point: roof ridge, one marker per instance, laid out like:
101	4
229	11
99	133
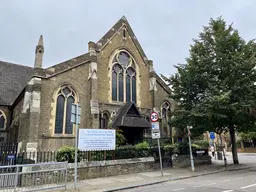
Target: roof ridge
67	60
16	64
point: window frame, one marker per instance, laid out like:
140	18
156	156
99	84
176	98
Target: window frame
58	93
132	65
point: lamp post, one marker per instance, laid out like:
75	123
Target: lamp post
190	148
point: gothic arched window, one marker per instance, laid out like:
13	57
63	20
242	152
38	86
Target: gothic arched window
123	73
165	115
2	120
65	97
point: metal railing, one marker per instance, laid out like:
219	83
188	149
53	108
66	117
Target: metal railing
33	177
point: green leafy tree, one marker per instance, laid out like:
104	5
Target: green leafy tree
216	86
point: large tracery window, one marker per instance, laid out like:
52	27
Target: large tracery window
2	120
65	97
123	78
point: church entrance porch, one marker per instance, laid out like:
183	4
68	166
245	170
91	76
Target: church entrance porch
131	122
133	135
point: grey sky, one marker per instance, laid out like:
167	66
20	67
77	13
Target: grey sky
164	28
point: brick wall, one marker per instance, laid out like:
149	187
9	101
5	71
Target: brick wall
77	78
88	170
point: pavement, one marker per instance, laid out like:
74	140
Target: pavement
132	182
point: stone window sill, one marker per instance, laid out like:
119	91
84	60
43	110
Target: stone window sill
59	136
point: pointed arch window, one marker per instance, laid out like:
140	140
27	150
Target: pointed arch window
65	97
165	114
124	87
2	120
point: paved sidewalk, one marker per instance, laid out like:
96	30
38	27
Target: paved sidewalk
116	183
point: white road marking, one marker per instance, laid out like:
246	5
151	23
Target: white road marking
210	184
224	181
178	189
248	186
197	186
228	191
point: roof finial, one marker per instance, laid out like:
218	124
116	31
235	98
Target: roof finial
124	18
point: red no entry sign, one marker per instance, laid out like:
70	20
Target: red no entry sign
154	117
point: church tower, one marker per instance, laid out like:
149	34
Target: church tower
39	53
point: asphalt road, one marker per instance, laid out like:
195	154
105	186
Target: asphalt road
232	181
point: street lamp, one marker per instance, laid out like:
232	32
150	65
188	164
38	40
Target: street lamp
190	148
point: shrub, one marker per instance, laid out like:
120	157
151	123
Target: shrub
125	152
120	139
67	153
143	145
142	149
201	143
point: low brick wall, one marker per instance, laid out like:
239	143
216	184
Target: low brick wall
94	169
87	170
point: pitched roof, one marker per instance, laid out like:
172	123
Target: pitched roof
129	116
13	79
110	34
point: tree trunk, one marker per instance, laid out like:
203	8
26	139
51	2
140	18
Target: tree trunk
233	142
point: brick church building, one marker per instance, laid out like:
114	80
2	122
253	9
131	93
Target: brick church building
115	84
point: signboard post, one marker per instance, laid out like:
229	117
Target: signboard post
155	132
212	137
75	118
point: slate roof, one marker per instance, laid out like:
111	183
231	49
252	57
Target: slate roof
13	79
129	116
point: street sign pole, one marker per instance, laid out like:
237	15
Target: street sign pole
190	149
75	118
156	135
76	147
160	157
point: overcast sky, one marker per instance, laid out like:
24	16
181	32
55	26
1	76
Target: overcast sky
164	28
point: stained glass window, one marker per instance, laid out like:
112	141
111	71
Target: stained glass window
114	86
128	88
59	114
123	74
2	120
121	87
69	125
64	102
134	89
124	59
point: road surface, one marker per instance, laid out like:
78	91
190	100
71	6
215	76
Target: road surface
232	181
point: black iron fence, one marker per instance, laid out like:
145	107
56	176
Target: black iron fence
11	157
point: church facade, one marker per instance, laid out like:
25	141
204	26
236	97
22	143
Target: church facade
114	83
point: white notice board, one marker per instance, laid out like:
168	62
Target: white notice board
97	139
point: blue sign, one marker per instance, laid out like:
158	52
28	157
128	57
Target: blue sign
212	135
10	157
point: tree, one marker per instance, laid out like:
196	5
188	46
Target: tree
215	88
